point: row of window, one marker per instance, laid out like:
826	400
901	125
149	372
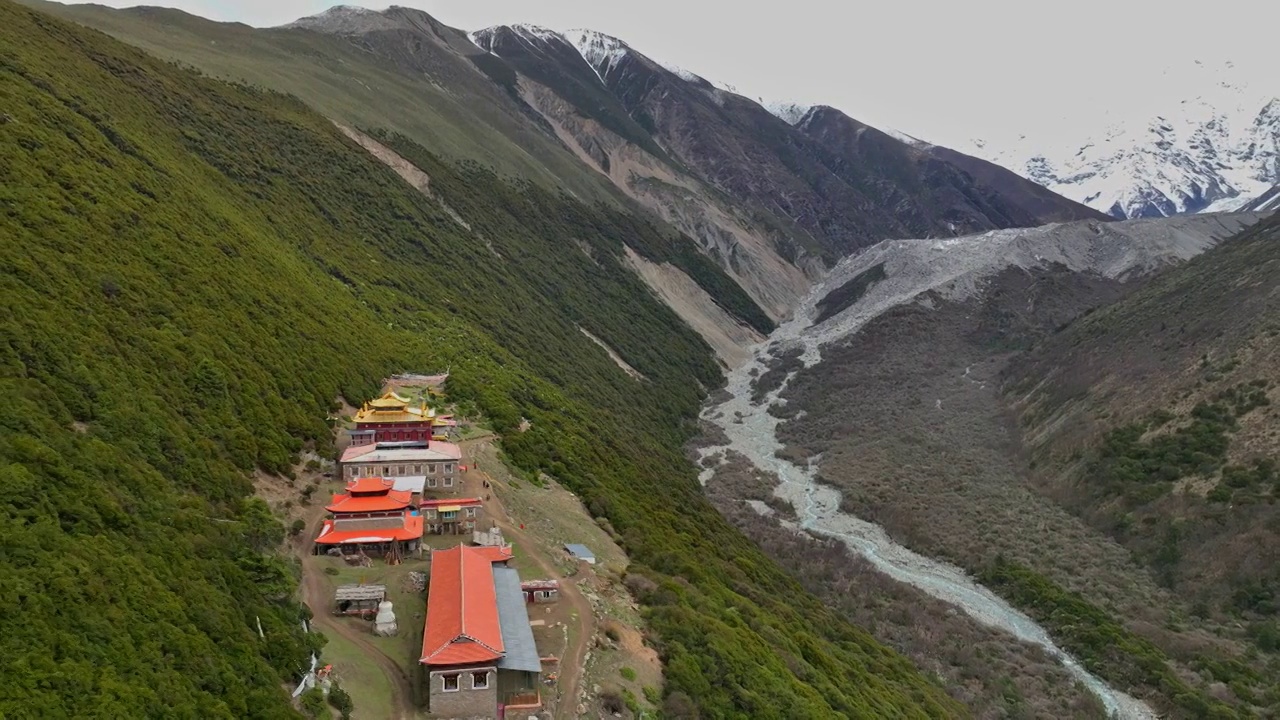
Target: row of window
453	681
439	527
450	514
398	470
398	435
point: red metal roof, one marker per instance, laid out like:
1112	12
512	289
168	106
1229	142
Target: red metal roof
354	451
394	500
495	553
462	610
437	502
370	484
412	530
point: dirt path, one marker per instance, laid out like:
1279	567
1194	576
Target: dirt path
316	594
572	665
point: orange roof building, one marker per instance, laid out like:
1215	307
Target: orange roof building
477	647
462	610
370	495
372	517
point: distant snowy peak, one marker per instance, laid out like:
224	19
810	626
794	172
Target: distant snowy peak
602	52
789	112
1210	153
535	35
536	32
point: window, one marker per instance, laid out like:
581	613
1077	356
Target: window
450	682
431	482
448	482
449	515
351	471
448	468
471	512
386	471
430	514
479	680
417	469
431	469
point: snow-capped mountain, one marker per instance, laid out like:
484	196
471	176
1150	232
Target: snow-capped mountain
789	112
1213	152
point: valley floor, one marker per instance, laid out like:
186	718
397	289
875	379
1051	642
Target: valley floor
877	455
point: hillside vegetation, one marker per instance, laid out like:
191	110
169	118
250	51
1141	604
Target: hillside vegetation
1049	437
770	202
1154	420
197	273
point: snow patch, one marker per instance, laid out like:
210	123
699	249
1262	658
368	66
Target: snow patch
789	112
683	74
602	52
534	35
1194	152
536	32
901	137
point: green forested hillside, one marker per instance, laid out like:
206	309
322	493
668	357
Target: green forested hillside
196	273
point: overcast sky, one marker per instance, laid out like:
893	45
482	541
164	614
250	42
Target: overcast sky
943	70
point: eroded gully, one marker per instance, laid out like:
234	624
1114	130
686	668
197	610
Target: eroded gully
752	432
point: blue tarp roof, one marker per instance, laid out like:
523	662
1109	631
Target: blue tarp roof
513	617
579	551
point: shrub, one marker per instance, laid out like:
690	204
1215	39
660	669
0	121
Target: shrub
341	701
313	704
627	674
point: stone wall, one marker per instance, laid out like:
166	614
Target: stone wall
466	703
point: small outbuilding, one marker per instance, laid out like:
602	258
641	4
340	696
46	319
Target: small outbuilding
540	591
358	599
580	552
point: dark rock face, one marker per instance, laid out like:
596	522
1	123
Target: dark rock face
843	183
934	190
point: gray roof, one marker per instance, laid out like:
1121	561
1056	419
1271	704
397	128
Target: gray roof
360	592
579	551
517	636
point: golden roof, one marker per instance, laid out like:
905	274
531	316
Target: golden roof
389	401
393	408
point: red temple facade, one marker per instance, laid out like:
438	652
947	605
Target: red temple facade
390	419
373	518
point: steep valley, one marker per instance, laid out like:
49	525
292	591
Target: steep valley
896	408
867	427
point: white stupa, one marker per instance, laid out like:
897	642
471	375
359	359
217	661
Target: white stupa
385	623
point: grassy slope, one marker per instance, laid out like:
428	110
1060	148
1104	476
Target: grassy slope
468	119
196	271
